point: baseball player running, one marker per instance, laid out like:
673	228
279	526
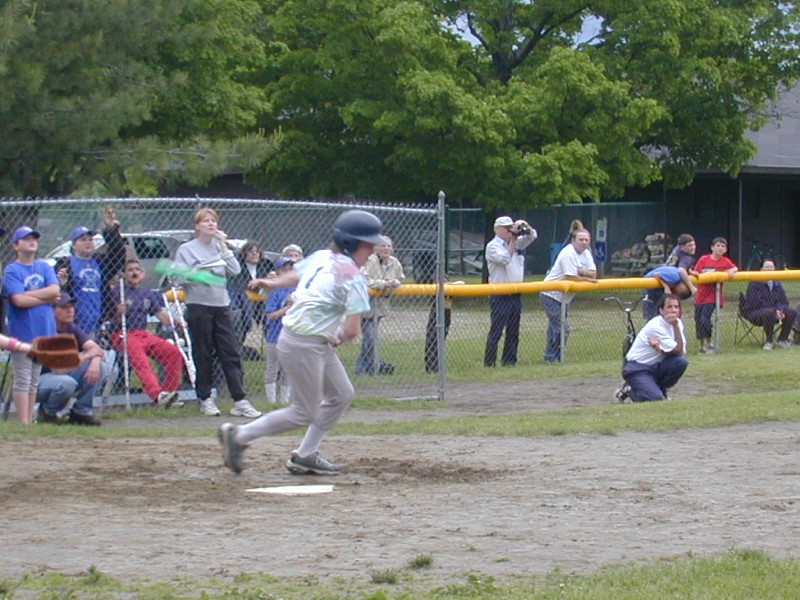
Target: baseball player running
330	297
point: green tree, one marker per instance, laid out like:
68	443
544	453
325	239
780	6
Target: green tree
513	102
120	97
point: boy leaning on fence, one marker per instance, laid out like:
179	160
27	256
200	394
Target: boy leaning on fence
706	297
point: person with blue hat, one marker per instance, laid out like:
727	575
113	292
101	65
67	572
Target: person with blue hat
275	307
31	287
87	272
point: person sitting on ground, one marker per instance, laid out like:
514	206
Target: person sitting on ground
765	304
141	302
657	358
57	389
672	282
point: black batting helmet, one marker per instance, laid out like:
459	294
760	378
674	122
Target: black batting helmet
356	226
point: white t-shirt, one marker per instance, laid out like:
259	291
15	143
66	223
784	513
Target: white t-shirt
567	263
642	352
503	267
331	287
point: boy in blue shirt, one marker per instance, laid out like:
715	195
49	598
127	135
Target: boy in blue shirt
275	307
32	288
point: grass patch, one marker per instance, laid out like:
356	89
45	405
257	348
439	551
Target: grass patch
734	574
608	419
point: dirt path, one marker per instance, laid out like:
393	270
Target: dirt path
498	506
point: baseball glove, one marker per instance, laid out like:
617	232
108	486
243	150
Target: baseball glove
58	351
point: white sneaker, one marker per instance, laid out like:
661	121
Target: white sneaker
767	346
209	408
243	408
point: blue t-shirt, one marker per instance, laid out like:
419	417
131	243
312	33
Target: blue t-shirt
28	323
87	288
80	337
142	302
668	275
277	299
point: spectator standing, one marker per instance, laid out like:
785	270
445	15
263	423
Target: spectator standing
276	305
705	300
505	260
31	287
384	274
657	357
765	304
573	263
140	303
209	318
87	273
330	298
293	252
253	266
57	389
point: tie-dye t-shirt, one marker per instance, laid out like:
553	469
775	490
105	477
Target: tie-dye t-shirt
331	287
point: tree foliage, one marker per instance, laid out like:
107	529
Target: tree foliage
507	103
121	96
517	102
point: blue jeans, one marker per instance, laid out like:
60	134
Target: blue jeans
651	382
56	389
367	361
552	352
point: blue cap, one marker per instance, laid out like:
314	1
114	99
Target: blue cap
80	232
24	231
282	262
65	299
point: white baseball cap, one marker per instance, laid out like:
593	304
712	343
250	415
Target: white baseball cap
503	222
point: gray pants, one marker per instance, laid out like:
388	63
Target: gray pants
321	389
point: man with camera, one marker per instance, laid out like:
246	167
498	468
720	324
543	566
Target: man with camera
506	262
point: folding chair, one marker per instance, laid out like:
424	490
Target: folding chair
745	330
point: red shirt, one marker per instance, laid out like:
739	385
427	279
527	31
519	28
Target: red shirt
706	292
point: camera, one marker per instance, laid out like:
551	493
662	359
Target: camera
522	229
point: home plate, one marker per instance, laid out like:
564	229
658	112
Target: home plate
294	490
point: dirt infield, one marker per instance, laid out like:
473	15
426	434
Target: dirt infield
164	508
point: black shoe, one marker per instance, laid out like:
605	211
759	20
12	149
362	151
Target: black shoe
48	418
76	419
386	369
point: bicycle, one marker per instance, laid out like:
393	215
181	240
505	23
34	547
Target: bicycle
627	307
759	252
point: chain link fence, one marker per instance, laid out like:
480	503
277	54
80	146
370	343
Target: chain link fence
409	336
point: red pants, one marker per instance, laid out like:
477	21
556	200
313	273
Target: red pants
142	346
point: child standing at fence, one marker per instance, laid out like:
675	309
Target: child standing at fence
706	297
31	287
330	298
275	307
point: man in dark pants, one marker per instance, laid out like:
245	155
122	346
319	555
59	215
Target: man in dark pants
506	263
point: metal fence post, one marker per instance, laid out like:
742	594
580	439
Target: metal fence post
441	271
